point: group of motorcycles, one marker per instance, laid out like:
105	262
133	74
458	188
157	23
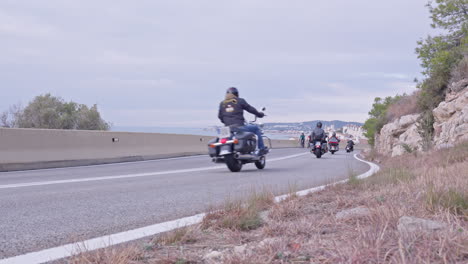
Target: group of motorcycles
236	148
320	147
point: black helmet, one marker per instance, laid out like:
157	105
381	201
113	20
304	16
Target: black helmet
319	124
233	90
334	134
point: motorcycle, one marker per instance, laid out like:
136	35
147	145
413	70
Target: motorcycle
236	148
333	147
349	148
318	149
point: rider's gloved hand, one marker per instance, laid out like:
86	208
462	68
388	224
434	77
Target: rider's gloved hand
260	115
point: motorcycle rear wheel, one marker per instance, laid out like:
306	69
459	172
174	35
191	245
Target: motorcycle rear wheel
232	163
318	153
261	163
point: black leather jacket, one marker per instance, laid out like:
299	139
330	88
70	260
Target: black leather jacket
231	111
318	134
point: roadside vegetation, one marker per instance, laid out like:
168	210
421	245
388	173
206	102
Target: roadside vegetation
50	112
415	210
444	60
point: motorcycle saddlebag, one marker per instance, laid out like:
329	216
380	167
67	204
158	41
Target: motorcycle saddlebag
247	142
213	152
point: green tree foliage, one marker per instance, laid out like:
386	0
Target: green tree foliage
50	112
378	117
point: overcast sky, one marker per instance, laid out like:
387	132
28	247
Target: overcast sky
168	63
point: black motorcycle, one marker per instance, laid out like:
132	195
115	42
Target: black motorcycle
349	147
235	148
319	148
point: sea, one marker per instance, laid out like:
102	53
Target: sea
200	131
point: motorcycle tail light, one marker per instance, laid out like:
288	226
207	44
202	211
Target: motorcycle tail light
223	140
236	141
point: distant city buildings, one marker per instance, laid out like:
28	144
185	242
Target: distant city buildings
356	132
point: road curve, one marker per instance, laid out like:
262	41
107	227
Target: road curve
46	208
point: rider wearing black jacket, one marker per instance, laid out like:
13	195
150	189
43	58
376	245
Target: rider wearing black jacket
231	110
318	133
351	144
231	113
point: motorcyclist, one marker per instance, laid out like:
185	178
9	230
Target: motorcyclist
302	139
231	113
334	139
319	134
351	144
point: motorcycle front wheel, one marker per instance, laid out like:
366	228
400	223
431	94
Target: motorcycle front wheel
232	163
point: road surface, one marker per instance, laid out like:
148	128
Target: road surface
47	208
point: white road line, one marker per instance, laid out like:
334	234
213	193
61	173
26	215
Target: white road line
136	175
107	164
68	250
373	169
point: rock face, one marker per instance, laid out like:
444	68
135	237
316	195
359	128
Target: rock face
397	133
451	119
407	224
450	126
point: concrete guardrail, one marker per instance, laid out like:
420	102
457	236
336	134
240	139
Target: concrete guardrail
23	149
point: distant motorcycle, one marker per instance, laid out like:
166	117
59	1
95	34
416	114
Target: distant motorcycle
235	148
349	147
333	147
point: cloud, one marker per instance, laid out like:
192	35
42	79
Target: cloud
24	26
169	62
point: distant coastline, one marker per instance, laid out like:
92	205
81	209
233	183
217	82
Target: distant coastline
208	131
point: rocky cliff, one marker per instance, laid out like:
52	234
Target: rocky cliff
395	135
451	119
451	125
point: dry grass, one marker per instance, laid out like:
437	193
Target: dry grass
239	215
183	235
407	105
113	255
305	230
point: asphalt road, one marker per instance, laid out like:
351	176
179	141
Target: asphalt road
46	208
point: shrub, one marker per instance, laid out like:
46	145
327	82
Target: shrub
50	112
405	105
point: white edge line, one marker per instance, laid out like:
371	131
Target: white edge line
68	250
124	176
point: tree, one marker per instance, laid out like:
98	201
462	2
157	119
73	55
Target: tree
10	117
378	117
50	112
450	15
